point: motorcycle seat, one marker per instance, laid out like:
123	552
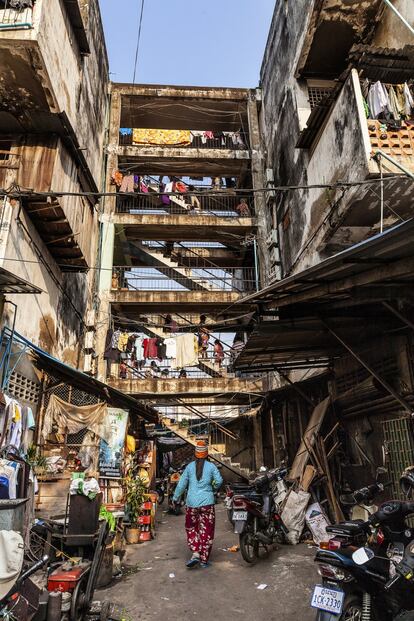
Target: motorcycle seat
347	529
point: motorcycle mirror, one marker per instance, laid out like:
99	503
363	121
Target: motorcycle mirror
362	556
381	470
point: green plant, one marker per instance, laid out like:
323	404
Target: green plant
36	460
135	490
106	515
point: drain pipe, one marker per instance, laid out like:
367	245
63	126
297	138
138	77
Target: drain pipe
398	14
379	154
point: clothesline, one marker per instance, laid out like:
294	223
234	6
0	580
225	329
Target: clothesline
388	102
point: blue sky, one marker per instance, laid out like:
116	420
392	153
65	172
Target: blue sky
215	43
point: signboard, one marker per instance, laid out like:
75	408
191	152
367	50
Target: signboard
111	453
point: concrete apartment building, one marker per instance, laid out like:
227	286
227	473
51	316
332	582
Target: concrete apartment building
53	109
315	325
172	253
334	315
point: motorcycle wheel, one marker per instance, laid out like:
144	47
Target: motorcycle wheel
352	609
230	515
161	496
249	548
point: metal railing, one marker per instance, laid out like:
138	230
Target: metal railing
221	140
218	203
14	18
183	279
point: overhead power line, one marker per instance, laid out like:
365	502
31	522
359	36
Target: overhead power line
138	40
25	193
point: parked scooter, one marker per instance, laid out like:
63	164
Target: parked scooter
256	516
174	476
356	591
14	603
161	488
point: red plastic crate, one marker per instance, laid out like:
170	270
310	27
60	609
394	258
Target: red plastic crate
147	506
144	519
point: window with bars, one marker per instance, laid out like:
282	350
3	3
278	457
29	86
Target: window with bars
317	93
23	389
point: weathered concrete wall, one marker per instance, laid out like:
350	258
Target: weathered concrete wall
44	72
46	165
341	150
48	319
391	31
340	154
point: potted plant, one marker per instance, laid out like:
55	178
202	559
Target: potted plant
135	490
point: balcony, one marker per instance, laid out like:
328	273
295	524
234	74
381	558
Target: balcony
63	222
44	77
342	145
155	216
182	279
195	390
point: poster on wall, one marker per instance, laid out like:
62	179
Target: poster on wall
111	452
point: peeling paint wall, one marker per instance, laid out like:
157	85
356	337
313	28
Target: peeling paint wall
47	319
341	151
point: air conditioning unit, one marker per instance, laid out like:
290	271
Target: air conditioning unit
89	338
87	363
272	238
91	318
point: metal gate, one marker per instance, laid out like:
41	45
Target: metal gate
399	446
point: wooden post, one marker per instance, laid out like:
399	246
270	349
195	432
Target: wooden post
272	431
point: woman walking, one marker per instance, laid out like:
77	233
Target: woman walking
201	479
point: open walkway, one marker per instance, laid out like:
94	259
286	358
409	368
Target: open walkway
227	590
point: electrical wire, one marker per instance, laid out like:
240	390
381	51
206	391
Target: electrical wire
282	188
138	40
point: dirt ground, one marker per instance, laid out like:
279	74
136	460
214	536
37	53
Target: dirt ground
157	585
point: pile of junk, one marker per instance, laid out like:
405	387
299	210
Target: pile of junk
49	569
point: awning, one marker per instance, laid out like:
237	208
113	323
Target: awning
384	64
304	343
10	283
59	370
381	265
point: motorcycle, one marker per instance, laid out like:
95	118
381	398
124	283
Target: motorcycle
256	516
356	591
17	604
161	488
174	476
246	489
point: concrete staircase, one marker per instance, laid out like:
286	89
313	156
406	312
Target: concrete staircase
216	451
184	276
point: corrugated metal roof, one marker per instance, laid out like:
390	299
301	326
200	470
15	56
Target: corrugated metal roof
74	377
10	283
392	251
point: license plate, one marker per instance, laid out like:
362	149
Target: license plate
330	600
239	516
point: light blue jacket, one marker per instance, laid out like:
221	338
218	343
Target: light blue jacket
199	493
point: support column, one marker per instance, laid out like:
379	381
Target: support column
258	440
107	237
258	182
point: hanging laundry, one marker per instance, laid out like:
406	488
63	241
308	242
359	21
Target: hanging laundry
122	341
161	349
409	101
9	471
209	135
139	349
150	348
180	187
127	184
378	101
116	178
186	350
171	137
170	348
